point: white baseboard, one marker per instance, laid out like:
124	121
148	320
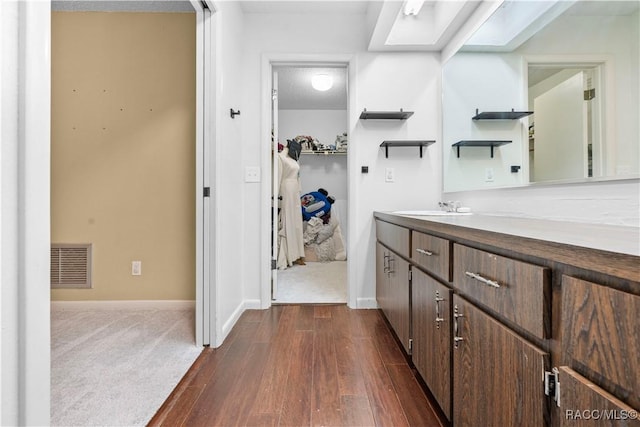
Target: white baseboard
251	304
123	305
367	303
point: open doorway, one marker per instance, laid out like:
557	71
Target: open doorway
310	121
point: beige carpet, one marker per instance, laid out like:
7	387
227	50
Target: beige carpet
315	282
117	367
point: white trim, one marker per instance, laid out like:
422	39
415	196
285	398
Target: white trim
367	303
606	66
268	59
230	323
114	305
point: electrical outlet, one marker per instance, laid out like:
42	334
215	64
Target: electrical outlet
488	175
136	268
252	174
389	175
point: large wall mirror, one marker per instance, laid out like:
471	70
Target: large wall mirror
544	92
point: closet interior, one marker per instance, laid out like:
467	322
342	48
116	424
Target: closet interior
313	149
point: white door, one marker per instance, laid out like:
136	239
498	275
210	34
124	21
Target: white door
560	144
275	182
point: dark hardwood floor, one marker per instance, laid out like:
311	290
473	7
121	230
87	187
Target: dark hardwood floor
301	365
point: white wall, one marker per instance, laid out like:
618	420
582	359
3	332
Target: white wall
323	125
328	172
486	82
377	83
25	65
609	202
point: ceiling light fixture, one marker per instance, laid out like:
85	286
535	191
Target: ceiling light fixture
322	82
412	7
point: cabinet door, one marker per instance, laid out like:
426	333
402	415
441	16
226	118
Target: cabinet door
382	278
431	321
399	315
601	332
497	374
585	404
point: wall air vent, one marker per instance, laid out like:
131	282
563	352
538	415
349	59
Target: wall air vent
70	265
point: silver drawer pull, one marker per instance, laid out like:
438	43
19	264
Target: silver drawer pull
456	328
479	278
424	252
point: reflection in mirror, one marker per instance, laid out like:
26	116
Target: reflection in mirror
575	66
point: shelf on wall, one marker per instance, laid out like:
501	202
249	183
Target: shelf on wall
479	143
325	153
501	115
385	115
405	143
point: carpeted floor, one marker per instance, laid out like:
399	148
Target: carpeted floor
315	282
116	367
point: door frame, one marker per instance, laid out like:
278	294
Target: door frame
269	60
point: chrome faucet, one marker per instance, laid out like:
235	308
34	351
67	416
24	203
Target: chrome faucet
450	206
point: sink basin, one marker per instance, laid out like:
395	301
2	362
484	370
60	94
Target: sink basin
431	213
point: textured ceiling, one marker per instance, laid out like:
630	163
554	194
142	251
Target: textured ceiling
295	91
306	6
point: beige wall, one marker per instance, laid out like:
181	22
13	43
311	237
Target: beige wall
123	150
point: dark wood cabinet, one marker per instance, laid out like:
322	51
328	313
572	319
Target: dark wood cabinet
584	404
431	321
392	292
529	332
497	374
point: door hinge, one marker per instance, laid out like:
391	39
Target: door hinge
273	264
552	385
207	191
410	345
410	275
589	94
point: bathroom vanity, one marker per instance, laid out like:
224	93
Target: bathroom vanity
515	321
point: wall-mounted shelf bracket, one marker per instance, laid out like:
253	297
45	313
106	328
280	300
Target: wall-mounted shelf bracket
405	143
501	115
479	143
385	115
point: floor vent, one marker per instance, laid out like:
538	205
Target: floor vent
70	265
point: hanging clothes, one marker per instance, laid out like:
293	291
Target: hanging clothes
290	233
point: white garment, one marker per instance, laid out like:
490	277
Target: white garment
290	241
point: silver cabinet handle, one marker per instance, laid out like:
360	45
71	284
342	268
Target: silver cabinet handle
481	279
389	269
456	338
424	252
385	263
438	318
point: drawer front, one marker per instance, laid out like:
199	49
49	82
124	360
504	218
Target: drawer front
586	404
431	253
515	290
601	330
394	237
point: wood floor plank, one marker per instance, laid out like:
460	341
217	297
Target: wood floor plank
350	377
298	366
274	378
305	318
386	408
415	404
356	411
229	368
326	406
296	407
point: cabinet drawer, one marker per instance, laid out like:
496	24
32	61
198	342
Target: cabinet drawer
586	404
601	331
431	253
394	237
515	290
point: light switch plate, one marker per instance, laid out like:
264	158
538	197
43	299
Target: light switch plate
252	174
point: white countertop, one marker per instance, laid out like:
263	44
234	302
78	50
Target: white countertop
611	238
